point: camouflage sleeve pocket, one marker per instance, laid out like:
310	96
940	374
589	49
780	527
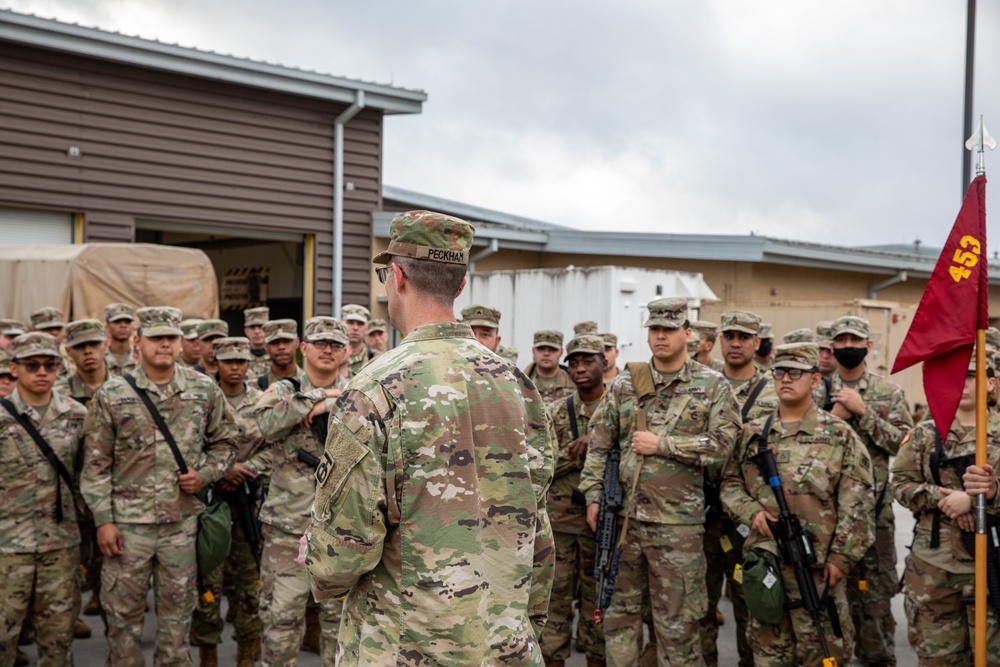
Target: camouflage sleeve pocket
344	450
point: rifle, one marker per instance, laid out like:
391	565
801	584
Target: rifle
796	551
608	534
245	498
308	459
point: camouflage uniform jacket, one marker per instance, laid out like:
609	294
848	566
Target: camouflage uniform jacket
766	401
28	481
827	477
281	413
882	428
555	388
272	378
129	472
430	511
116	366
567	516
913	486
356	362
697	422
251	442
74	387
260	364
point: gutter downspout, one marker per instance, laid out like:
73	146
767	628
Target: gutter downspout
338	199
895	280
483	254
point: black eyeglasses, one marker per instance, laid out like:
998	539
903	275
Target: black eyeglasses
324	344
33	366
383	273
794	373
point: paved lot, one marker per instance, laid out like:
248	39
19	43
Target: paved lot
88	652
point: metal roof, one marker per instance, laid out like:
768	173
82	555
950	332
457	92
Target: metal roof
713	247
419	200
94	43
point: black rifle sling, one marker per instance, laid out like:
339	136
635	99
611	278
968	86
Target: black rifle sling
571	410
263	382
762	442
752	398
50	455
160	424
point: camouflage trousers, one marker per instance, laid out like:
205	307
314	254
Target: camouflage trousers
574	580
795	641
667	562
942	629
720	563
871	611
91	557
241	568
165	552
283	596
54	607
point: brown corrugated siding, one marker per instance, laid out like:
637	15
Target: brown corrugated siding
169	148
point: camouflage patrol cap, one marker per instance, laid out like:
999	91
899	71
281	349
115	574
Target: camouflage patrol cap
705	328
991	362
585	344
280	329
481	316
190	329
118	311
84	331
610	339
849	324
326	328
548	338
352	312
48	317
233	348
508	353
376	325
765	330
800	336
159	321
671	313
12	327
824	333
6	356
256	317
35	344
804	356
427	235
586	327
992	339
741	320
208	328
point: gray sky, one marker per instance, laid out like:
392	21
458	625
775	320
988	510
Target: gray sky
837	122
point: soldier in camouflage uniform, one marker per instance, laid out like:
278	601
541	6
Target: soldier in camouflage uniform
254	320
39	538
451	562
377	337
9	330
234	357
940	571
703	337
551	380
118	318
146	511
823	396
208	331
877	410
85	345
7	379
575	545
52	321
190	350
755	397
762	360
508	353
691	422
485	323
827	476
356	318
282	340
611	370
585	327
291	419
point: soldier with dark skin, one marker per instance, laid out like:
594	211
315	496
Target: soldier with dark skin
118	318
254	320
282	341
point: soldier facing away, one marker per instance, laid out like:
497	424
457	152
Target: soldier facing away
145	509
430	509
684	423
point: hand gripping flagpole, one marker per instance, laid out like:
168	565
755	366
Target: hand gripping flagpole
982	139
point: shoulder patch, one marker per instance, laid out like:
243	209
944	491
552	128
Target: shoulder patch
343	452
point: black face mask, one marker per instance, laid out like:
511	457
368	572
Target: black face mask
765	347
850	357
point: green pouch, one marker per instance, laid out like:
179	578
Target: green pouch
215	536
763	587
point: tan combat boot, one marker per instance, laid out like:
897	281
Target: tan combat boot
208	656
246	653
93	606
81	630
310	641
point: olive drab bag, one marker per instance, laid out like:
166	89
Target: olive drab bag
215	523
762	586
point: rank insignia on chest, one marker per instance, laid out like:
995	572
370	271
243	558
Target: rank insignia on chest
783	456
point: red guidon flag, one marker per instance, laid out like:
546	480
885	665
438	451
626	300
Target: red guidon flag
954	305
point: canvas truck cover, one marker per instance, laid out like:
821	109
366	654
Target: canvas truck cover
82	279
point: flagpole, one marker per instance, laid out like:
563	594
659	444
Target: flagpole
980	638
